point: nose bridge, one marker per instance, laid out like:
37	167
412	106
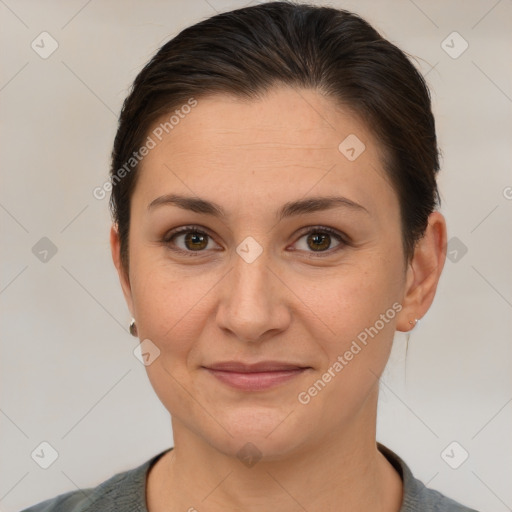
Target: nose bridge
250	280
250	305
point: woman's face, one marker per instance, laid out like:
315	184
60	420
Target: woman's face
263	281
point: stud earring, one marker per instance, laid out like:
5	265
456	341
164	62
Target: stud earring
413	323
133	328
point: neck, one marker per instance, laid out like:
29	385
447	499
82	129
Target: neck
341	473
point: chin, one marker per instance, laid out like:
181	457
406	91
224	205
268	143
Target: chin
262	433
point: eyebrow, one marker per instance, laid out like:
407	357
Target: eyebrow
290	209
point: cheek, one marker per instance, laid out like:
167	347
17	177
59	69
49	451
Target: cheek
169	313
359	304
352	297
164	304
358	308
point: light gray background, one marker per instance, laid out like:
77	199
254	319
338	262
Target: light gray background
68	373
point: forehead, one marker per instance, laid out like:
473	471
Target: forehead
289	140
283	119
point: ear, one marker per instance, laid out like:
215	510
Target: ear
115	246
423	273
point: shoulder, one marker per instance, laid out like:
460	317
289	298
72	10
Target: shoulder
416	495
73	501
123	492
433	501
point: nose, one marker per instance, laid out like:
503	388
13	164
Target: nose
253	306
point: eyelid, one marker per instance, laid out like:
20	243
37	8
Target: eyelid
325	229
185	229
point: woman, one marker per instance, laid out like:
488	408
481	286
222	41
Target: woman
274	202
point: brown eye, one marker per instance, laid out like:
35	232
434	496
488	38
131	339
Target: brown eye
195	241
187	240
192	241
319	240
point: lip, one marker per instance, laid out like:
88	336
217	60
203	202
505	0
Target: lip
256	376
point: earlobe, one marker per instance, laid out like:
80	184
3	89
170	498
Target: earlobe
423	273
115	247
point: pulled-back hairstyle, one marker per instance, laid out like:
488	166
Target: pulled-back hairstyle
247	51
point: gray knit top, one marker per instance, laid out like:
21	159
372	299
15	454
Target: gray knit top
126	492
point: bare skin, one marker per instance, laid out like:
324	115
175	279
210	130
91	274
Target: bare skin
302	300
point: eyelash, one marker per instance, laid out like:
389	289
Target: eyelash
314	229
